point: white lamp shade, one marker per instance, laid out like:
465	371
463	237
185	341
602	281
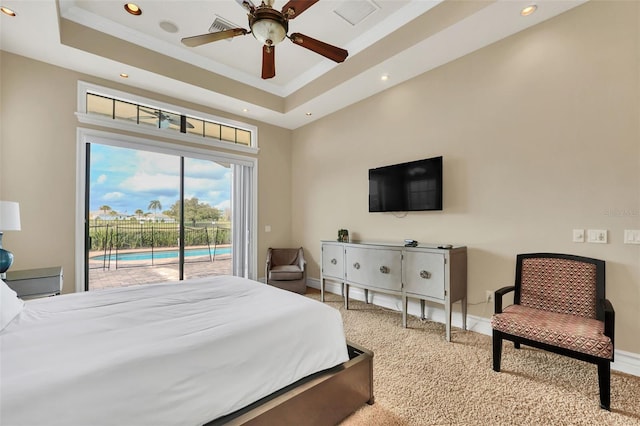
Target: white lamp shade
9	216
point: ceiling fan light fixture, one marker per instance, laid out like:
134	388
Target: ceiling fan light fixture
268	31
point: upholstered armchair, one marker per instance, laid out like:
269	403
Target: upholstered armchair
559	305
286	269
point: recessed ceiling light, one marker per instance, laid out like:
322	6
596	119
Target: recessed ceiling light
309	114
133	9
528	10
124	75
7	11
384	77
245	109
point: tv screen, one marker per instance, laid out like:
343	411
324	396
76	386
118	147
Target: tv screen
412	186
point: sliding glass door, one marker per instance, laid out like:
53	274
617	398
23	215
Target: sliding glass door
162	215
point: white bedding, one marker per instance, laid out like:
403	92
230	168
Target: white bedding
177	353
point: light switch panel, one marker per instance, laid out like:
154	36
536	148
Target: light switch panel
632	236
578	235
597	236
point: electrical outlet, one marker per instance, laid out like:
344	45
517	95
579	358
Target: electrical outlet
488	297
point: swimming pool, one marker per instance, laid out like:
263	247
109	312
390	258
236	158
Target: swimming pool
164	254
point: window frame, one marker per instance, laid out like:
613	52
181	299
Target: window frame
149	139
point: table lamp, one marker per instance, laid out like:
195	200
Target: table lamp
9	221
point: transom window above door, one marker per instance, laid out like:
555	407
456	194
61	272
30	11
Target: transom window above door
111	108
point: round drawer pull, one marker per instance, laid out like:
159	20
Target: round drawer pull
356	265
425	274
384	269
334	261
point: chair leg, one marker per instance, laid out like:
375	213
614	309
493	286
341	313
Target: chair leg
497	350
516	345
604	382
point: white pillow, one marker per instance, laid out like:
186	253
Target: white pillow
10	304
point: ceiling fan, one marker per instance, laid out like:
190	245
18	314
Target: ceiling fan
165	120
270	26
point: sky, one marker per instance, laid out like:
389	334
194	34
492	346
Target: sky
127	180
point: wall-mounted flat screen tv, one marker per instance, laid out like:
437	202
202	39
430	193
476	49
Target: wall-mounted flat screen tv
412	186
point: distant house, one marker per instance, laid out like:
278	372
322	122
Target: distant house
113	215
159	217
100	215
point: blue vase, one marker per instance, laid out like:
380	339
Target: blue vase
6	259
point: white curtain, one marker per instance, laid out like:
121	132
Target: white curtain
242	201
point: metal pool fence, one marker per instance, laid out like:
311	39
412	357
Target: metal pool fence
110	241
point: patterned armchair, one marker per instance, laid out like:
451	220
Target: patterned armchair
286	269
559	306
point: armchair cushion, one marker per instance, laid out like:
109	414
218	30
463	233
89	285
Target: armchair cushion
285	273
288	256
559	285
567	331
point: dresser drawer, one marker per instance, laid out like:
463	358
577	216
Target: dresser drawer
372	267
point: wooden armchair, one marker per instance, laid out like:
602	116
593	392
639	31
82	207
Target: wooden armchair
559	306
286	269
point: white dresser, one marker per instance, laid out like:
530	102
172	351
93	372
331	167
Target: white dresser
424	272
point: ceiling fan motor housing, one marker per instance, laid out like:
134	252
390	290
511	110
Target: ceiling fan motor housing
268	26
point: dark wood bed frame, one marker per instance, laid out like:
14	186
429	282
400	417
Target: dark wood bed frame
322	399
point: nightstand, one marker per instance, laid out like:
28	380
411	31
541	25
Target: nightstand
33	283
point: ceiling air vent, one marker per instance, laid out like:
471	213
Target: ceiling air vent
355	11
221	24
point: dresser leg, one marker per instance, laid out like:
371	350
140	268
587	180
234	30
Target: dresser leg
447	318
464	313
405	304
346	296
422	317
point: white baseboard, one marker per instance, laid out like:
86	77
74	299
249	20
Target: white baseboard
625	362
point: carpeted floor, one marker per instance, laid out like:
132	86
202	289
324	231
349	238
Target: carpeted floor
421	379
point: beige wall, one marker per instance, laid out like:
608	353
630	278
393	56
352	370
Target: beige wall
38	164
540	135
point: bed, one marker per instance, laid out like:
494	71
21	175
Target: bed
216	350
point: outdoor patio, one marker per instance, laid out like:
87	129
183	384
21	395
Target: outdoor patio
126	275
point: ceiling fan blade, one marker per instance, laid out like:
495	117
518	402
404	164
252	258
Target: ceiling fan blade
294	8
176	122
268	61
211	37
328	51
247	4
